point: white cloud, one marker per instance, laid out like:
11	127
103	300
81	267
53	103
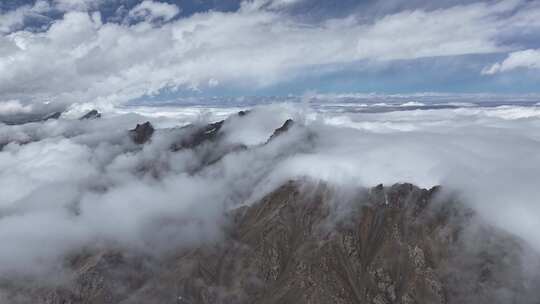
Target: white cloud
80	59
151	10
79	5
81	184
283	3
468	29
13	107
268	4
527	59
14	19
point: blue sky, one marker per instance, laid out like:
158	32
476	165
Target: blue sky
115	51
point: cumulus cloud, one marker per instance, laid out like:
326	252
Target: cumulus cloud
80	58
14	19
527	59
151	10
10	107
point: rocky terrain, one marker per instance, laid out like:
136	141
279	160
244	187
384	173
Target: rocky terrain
28	118
22	119
306	242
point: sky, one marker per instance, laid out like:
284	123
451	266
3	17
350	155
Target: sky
114	52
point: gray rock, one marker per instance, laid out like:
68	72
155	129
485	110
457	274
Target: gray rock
142	133
93	114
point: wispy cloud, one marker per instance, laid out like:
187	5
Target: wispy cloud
527	59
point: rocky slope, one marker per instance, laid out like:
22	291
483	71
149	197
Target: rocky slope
394	245
29	118
307	242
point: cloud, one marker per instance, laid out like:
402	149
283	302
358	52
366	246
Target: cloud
82	59
152	10
13	107
268	4
527	59
87	180
73	184
283	3
15	19
78	5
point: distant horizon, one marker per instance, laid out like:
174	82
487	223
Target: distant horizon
360	97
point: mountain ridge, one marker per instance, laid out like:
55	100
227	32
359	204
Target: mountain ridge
305	241
395	245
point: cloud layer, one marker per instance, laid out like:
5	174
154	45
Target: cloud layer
74	184
527	59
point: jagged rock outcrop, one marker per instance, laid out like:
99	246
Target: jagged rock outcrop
92	114
54	115
196	135
284	128
24	119
20	119
300	244
206	141
142	133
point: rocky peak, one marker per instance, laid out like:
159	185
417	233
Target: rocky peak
142	133
24	118
93	114
196	135
243	113
284	128
54	115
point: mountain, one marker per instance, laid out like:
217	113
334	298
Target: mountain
142	133
92	114
307	241
20	119
397	244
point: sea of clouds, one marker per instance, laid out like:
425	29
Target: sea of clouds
69	184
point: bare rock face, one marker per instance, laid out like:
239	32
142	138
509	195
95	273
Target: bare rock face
24	118
93	114
196	135
103	277
207	142
295	252
299	244
284	128
142	133
54	115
